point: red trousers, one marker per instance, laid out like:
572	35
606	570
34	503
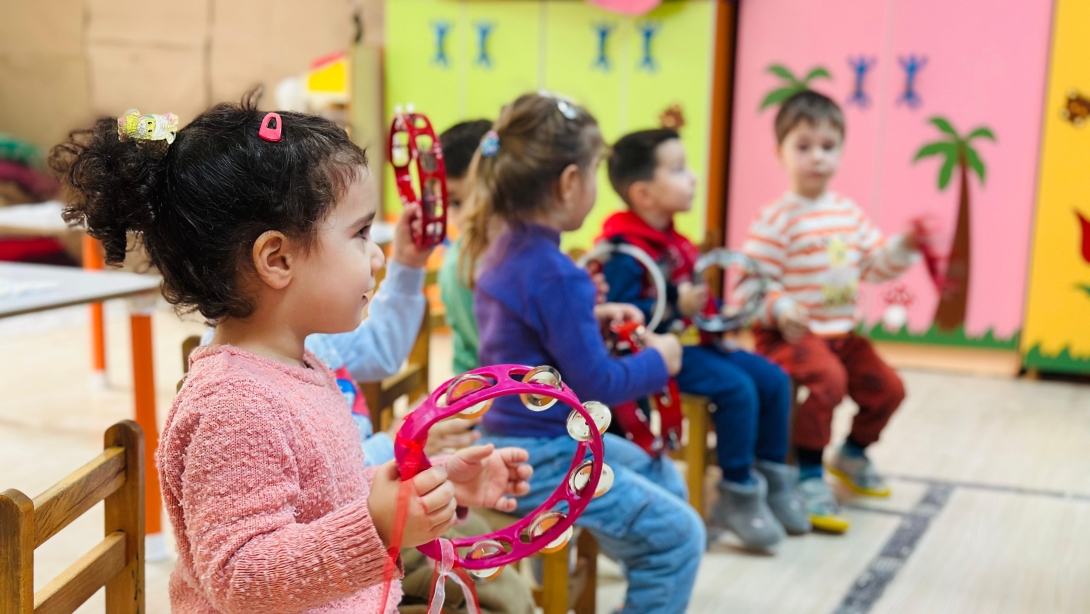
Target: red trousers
831	368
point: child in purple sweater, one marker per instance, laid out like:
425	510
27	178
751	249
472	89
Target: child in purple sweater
537	172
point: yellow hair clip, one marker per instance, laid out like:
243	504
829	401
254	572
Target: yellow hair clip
149	127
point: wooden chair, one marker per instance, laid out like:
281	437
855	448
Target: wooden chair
695	450
562	588
117	562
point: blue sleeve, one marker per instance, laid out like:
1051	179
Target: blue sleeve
626	277
574	339
378	449
381	344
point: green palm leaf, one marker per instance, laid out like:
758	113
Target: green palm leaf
945	148
815	73
981	132
945	126
782	72
973	158
778	96
946	172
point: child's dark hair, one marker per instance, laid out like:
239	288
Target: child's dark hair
459	143
633	158
807	106
539	135
199	204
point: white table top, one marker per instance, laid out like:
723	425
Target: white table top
39	219
28	288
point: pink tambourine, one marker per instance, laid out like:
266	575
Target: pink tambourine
549	527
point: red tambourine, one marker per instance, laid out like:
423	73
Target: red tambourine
625	338
928	245
414	145
549	527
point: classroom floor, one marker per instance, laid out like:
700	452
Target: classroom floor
990	511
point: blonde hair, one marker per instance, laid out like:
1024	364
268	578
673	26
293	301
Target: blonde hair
539	136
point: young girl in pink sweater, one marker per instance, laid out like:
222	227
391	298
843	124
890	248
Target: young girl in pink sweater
262	225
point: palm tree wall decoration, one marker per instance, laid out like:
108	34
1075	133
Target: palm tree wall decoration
791	84
956	152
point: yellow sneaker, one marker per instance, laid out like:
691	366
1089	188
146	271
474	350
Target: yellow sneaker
822	506
857	473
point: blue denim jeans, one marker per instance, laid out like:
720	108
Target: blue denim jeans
644	522
752	397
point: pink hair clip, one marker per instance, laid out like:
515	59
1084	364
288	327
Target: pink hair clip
270	128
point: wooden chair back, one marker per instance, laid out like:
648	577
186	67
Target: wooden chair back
117	477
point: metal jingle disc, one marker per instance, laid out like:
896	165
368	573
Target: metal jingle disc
580	477
484	549
578	428
540	375
545	521
475	411
465	385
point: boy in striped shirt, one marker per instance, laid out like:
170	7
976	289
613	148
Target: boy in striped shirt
814	248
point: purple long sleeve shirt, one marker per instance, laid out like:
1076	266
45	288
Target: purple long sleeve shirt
534	306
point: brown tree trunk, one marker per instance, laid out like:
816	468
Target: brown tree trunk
955	295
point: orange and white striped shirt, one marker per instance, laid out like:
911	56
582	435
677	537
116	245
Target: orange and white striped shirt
814	253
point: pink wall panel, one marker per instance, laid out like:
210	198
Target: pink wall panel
985	64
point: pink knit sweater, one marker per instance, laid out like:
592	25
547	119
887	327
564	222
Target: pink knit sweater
263	478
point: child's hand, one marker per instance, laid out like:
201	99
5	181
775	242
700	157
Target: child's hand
691	299
405	251
921	232
608	313
482	475
668	347
794	323
451	434
431	510
602	285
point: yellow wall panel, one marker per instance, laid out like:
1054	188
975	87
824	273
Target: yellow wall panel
1056	335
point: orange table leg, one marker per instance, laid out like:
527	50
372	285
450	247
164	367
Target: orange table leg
143	373
93	260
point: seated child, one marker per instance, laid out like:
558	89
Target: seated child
261	467
536	171
815	247
459	144
758	494
376	349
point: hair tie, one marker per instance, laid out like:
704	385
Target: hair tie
149	127
490	144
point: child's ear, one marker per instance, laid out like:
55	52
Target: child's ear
639	194
569	182
273	259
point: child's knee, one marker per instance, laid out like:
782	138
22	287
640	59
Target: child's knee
894	388
830	386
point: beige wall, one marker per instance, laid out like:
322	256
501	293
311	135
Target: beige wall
64	62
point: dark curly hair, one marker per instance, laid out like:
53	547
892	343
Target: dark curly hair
198	205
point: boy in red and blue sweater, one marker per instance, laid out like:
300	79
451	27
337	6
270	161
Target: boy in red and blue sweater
758	497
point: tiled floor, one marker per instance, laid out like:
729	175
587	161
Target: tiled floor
990	512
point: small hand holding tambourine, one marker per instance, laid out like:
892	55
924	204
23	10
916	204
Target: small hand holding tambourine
733	317
547	528
625	338
413	146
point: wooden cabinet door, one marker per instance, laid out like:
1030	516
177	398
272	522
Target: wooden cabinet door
1056	336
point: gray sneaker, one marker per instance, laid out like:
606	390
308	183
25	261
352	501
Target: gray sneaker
784	498
858	474
822	506
743	510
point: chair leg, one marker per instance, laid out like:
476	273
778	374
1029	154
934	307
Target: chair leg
696	450
587	602
554	596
